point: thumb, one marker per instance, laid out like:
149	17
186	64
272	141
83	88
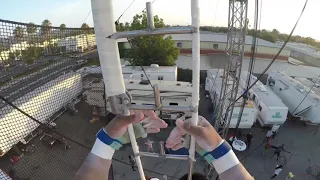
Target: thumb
190	129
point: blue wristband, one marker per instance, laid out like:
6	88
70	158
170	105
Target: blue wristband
217	153
106	139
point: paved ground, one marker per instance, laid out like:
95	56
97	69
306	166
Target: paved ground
56	163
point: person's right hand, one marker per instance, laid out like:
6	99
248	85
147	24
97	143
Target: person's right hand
205	135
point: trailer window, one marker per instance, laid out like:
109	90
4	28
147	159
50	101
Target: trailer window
254	97
173	104
260	108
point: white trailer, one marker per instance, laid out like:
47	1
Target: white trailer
213	86
41	104
171	93
295	94
271	109
154	72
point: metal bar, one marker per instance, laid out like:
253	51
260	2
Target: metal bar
162	151
166	156
159	31
150	20
157	99
164	108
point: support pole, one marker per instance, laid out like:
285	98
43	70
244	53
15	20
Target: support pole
102	12
195	16
150	19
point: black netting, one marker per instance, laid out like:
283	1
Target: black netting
43	73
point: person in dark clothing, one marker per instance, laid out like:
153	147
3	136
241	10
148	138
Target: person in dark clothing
278	151
132	162
249	137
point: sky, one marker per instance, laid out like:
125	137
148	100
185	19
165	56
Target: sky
276	14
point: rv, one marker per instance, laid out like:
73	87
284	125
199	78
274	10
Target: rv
271	109
300	95
173	93
213	86
49	98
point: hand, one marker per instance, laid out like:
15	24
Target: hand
205	135
119	125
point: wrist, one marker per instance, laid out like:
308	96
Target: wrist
102	150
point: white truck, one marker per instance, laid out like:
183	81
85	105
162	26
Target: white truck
41	103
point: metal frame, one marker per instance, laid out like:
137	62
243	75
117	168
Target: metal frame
120	100
237	28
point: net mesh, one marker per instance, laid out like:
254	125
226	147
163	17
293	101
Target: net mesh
43	72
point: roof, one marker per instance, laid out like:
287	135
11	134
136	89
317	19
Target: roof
206	36
264	93
149	69
303	48
170	86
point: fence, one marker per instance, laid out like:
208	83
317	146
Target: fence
40	74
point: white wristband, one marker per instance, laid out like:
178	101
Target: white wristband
225	162
102	150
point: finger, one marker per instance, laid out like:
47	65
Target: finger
149	113
178	146
175	137
190	129
154	123
126	120
153	130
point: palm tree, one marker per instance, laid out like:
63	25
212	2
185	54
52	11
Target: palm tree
62	26
85	27
31	28
18	32
46	24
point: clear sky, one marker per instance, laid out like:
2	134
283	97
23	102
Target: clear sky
279	14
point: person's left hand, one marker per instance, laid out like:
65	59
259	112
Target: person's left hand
119	125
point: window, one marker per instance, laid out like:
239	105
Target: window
142	75
215	46
260	108
173	104
179	44
160	78
249	94
254	97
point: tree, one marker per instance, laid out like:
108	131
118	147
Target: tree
85	28
30	54
46	25
265	35
18	32
62	27
151	49
31	28
275	33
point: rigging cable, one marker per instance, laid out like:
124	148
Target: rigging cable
45	126
306	95
146	76
276	56
117	21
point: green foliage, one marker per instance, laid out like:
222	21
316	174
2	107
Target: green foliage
31	28
18	32
85	27
31	53
46	24
149	50
62	27
11	58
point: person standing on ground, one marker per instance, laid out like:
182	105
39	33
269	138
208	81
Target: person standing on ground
132	162
277	171
249	137
268	135
278	151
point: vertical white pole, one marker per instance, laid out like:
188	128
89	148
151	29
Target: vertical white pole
195	16
104	26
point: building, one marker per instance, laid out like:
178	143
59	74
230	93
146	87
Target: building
154	72
303	52
297	95
77	43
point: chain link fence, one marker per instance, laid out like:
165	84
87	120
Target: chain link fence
43	74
